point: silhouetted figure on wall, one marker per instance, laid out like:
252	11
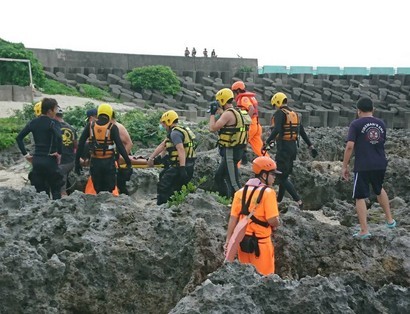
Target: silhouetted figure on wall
205	53
193	52
186	52
213	54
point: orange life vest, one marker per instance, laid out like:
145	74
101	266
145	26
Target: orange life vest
253	102
291	125
101	144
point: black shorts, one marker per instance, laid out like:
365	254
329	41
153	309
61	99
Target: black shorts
362	180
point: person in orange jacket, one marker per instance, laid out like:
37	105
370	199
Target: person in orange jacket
259	197
247	101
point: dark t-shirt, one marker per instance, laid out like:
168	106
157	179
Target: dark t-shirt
368	135
69	136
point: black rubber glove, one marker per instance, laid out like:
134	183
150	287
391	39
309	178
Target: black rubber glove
127	173
78	169
183	175
314	153
213	107
158	160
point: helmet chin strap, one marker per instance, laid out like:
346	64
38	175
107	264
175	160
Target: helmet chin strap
264	181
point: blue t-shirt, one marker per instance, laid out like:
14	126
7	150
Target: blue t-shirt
368	135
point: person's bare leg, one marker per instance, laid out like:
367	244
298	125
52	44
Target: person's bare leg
361	210
383	200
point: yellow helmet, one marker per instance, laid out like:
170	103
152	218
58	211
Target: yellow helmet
105	109
278	99
37	109
224	95
169	117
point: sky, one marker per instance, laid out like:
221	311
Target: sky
289	32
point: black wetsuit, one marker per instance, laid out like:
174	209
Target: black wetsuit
286	152
45	175
103	170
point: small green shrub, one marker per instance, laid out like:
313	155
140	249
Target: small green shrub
154	77
224	200
16	73
245	69
179	196
94	92
9	128
76	116
52	87
143	127
26	114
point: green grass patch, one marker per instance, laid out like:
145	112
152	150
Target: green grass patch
94	92
9	128
52	87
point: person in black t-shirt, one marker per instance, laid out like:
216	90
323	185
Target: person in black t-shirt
69	138
45	175
366	139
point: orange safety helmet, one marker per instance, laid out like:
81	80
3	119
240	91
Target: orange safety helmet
264	163
238	85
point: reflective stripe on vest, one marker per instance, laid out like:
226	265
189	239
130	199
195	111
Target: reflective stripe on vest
189	145
235	135
101	144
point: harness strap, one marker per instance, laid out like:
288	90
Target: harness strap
246	204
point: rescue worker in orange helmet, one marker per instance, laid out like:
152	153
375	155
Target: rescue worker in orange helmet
258	196
104	139
232	139
286	128
247	101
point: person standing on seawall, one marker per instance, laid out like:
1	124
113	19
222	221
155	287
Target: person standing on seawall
48	146
366	138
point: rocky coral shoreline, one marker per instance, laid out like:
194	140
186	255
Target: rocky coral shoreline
105	254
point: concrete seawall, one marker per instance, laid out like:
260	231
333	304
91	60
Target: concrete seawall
69	61
322	100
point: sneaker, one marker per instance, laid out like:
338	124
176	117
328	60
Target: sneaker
392	225
359	236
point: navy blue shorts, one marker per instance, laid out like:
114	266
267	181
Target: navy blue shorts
362	180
